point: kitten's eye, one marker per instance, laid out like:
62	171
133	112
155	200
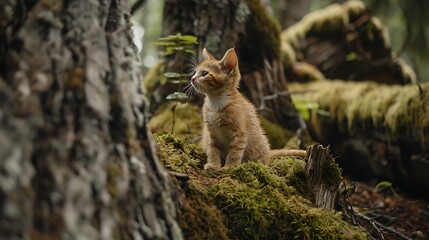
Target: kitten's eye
204	73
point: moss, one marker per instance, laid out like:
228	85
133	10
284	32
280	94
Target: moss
277	135
179	155
262	39
262	205
401	111
250	201
188	119
200	218
332	173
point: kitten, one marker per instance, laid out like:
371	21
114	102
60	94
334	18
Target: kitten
232	132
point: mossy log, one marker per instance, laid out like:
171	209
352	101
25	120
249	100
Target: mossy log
249	201
342	42
245	25
379	130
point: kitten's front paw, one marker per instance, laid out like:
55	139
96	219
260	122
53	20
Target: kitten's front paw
209	166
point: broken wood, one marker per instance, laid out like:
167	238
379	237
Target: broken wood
323	175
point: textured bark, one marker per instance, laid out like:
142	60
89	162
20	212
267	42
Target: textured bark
245	25
76	158
323	176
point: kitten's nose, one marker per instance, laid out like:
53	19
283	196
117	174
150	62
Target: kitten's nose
193	78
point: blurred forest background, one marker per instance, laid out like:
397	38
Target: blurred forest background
405	20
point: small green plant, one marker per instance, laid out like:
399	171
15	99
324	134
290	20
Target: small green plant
304	106
181	45
385	185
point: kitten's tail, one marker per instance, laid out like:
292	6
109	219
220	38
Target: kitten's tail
287	152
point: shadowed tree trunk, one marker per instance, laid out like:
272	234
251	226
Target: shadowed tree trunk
290	11
247	26
76	158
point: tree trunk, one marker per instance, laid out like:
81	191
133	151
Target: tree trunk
247	26
290	11
76	158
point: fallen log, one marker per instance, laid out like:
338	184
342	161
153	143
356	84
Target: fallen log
379	130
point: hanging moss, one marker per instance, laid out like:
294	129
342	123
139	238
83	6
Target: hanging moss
400	111
250	201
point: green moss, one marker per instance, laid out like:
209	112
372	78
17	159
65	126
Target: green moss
200	218
332	173
250	201
261	205
179	155
188	119
401	111
275	133
262	39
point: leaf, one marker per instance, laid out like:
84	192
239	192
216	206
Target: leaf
174	48
352	56
305	114
384	184
190	51
159	43
177	81
167	52
177	96
170	37
303	106
172	75
189	39
323	112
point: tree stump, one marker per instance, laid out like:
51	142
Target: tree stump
324	175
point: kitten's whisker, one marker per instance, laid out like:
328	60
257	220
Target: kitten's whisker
192	60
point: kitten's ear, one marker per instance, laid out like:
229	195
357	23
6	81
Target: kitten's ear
230	60
207	55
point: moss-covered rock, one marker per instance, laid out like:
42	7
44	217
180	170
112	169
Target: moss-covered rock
250	201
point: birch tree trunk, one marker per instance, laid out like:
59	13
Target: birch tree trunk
76	158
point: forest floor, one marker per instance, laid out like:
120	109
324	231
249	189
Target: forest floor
393	210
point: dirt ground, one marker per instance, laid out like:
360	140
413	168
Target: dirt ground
386	209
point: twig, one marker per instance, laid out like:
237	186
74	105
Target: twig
347	197
378	225
173	109
180	176
279	94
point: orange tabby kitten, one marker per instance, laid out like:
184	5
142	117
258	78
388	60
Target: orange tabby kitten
232	132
